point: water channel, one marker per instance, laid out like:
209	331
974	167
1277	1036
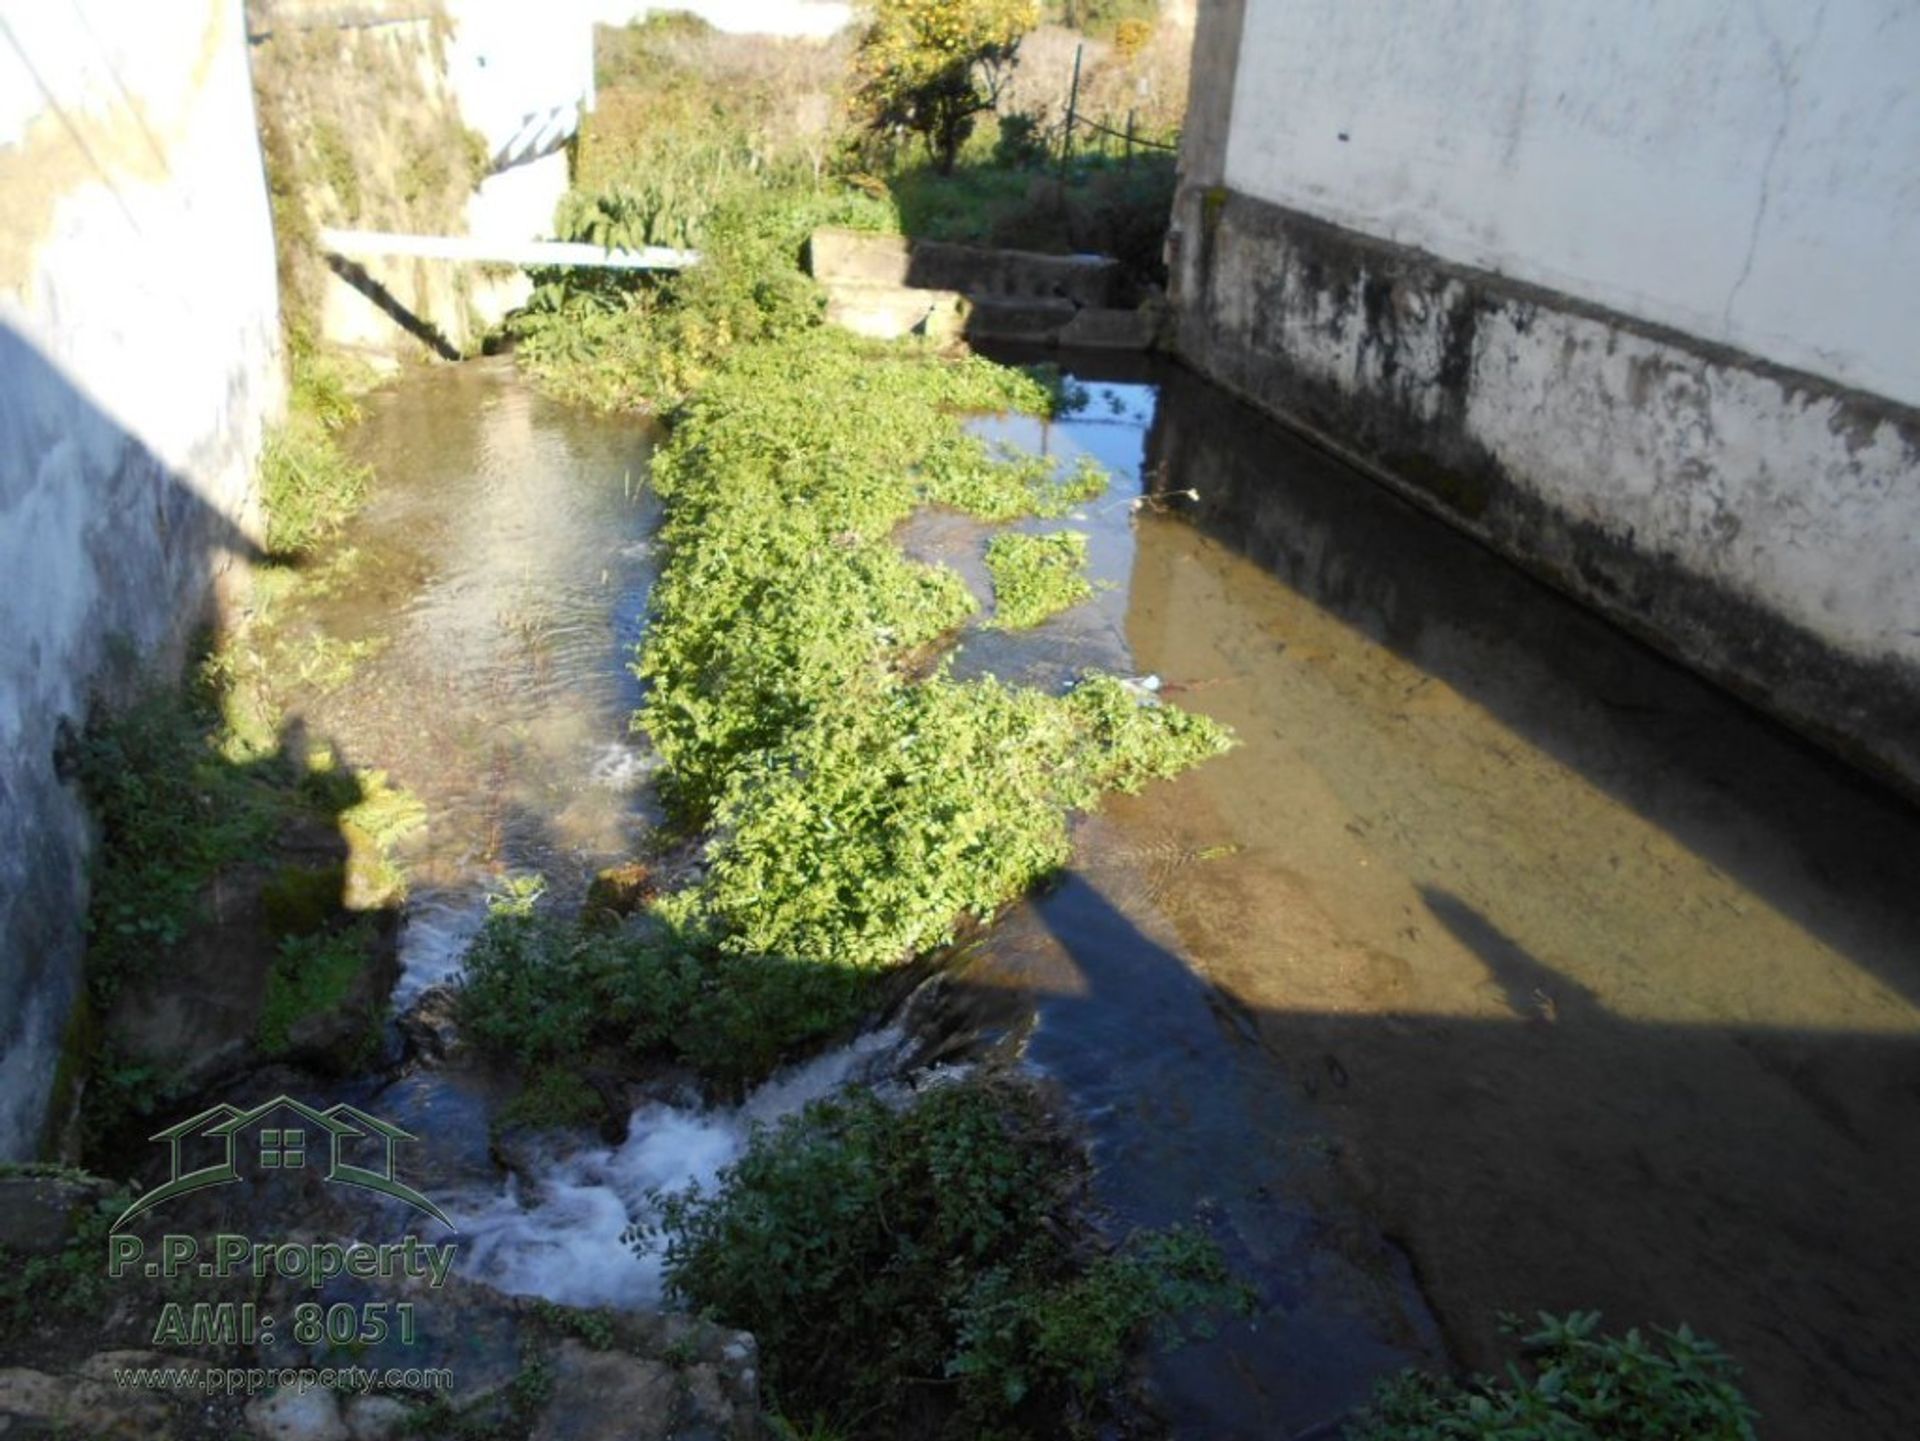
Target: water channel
1503	965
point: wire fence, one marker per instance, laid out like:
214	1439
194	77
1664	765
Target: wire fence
1130	138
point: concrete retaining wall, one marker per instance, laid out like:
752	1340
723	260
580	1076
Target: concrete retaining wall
1569	302
138	366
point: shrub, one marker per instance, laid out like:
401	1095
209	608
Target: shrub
1578	1384
913	1271
556	996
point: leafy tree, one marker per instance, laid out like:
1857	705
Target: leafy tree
930	66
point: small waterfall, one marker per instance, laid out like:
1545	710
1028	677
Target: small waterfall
558	1233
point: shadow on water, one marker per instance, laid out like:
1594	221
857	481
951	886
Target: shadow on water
1504	966
1390	1182
1802	829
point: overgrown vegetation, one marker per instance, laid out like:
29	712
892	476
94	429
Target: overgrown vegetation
740	149
556	995
860	802
1036	576
909	1271
697	141
1577	1383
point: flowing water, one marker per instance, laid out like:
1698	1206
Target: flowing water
1502	966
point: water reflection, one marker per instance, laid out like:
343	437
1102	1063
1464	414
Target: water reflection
1531	971
506	554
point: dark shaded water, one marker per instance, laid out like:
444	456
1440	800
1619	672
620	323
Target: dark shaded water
1502	966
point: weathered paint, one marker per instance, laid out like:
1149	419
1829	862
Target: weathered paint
1742	172
138	365
1748	512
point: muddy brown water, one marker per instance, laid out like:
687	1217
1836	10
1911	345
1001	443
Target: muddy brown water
1502	966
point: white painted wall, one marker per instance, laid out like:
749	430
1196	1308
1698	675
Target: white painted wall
1746	171
139	362
522	73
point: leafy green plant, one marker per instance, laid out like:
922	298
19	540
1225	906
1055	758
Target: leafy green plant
1036	576
1578	1383
554	996
912	1271
691	145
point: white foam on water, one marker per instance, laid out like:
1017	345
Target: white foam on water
621	767
440	926
559	1234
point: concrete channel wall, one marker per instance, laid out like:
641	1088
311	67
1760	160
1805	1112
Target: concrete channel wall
139	365
1623	289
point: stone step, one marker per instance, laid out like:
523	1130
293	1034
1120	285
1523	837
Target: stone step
977	272
883	311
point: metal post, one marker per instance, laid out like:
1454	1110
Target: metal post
1073	110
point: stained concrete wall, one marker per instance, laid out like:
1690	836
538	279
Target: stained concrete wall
139	364
388	83
1620	290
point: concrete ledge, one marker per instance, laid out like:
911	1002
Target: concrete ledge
881	311
838	256
1756	522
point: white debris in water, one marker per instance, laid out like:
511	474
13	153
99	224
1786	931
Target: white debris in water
622	767
561	1235
440	926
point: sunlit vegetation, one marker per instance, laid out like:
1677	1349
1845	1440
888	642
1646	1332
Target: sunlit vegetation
930	67
308	484
859	802
844	803
1036	576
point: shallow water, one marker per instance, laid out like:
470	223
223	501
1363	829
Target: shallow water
1502	966
504	561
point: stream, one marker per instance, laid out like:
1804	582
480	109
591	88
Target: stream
1503	966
